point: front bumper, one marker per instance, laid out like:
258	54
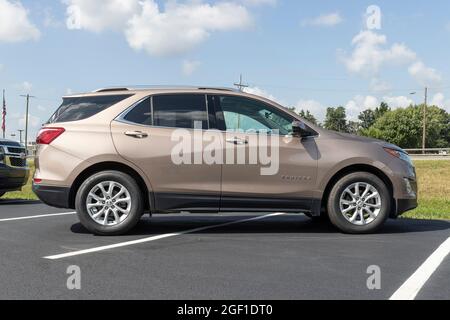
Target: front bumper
409	195
13	179
404	205
53	196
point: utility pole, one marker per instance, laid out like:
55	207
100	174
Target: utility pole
28	97
20	135
241	86
424	136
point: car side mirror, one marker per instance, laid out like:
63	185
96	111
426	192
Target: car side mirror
301	130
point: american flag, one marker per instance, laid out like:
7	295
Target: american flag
4	115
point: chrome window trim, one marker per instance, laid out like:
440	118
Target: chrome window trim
121	117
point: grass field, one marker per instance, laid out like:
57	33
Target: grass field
434	195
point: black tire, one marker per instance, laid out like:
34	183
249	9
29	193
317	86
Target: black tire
337	217
137	203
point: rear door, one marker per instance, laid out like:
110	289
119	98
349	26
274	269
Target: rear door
164	136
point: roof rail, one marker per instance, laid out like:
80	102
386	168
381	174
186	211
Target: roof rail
113	89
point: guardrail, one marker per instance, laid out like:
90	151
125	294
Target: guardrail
429	152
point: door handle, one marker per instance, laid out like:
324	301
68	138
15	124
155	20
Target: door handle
237	141
136	134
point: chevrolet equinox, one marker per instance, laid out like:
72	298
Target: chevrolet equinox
110	155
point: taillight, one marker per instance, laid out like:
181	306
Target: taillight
48	135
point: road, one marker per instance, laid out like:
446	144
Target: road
230	256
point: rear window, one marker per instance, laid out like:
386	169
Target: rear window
74	109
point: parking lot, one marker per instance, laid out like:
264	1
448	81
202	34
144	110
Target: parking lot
230	256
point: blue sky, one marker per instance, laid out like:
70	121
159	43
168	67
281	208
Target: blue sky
297	52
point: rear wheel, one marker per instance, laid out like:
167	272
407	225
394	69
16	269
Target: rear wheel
109	203
359	203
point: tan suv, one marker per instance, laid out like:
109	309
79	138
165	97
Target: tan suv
117	153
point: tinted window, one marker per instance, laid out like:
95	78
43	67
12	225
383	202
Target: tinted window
180	111
141	114
251	115
74	109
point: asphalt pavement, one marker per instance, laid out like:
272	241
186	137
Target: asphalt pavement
227	256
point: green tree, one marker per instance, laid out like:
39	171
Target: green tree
293	109
381	111
403	127
336	119
308	116
368	117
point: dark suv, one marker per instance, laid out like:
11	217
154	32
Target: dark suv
14	170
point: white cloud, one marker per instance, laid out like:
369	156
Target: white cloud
325	20
378	85
440	101
318	110
189	67
259	2
161	31
398	101
26	86
14	23
181	27
98	16
49	19
262	93
424	75
370	53
33	121
360	103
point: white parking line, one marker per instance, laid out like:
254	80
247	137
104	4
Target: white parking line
38	216
412	286
155	238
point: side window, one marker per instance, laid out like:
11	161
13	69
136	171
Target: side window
180	111
141	113
245	114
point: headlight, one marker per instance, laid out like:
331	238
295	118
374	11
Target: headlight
399	154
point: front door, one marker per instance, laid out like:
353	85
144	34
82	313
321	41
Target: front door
279	171
150	136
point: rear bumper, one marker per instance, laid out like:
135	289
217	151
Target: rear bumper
57	197
12	179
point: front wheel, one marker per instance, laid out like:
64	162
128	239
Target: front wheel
109	203
359	203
